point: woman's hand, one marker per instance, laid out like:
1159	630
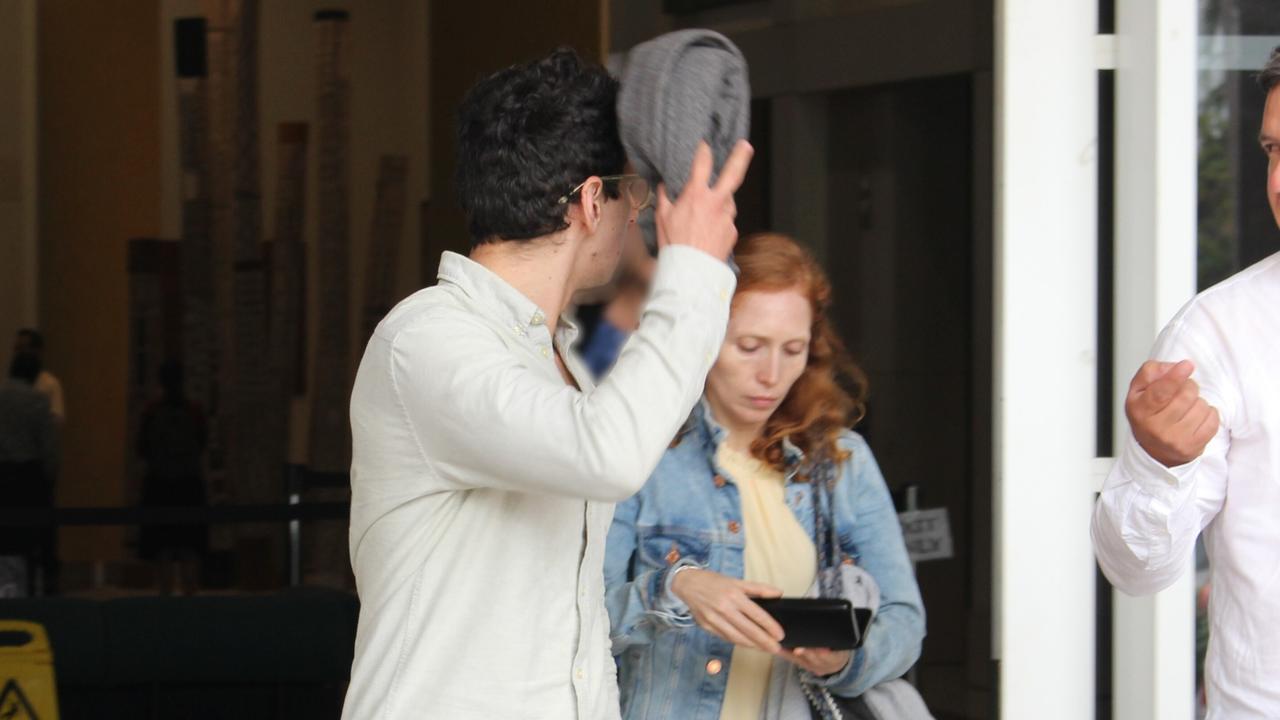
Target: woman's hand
819	661
722	606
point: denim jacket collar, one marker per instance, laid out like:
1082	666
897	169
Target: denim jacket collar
711	434
501	301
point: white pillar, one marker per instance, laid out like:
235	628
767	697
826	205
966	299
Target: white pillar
1045	348
1155	260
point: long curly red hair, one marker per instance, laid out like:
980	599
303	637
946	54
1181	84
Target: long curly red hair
830	395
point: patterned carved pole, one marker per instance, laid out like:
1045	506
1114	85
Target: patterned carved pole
255	470
199	335
330	446
384	240
220	91
287	267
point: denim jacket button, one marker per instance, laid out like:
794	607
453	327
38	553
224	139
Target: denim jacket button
673	555
719	481
714	666
734	527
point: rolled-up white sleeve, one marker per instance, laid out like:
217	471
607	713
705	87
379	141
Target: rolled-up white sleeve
483	417
1148	516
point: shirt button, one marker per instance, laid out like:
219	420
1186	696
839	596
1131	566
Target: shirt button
580	674
734	527
545	352
719	481
724	294
537	319
714	666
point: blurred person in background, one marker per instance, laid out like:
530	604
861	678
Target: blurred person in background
171	440
32	341
28	464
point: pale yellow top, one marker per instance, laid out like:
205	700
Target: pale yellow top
779	552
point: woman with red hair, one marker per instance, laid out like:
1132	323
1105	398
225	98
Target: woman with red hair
766	492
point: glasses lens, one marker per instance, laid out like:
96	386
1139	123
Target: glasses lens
639	192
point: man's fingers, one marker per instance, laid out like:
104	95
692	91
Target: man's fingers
661	212
1170	396
1208	427
1153	370
1190	425
1185	398
700	172
735	168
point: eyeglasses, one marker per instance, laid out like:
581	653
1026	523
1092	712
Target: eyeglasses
637	188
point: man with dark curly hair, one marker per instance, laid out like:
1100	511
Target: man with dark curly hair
485	463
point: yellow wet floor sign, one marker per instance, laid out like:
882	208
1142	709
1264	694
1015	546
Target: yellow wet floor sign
27	689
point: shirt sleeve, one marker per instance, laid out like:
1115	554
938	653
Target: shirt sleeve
1147	517
483	417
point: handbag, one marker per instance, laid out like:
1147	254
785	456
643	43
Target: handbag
890	700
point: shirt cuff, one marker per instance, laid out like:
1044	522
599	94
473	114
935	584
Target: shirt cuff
1150	474
682	268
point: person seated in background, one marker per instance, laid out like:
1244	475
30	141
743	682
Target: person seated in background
741	507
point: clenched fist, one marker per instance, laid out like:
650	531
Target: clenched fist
1169	418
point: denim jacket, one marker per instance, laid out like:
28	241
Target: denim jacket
689	513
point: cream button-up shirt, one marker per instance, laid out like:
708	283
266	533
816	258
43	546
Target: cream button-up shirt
1148	516
483	489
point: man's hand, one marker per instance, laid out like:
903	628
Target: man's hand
722	606
1169	418
702	217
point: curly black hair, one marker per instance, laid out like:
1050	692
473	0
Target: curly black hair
1269	77
526	136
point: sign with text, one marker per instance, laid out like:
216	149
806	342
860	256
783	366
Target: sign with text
927	534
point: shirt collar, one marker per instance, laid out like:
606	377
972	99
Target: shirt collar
712	434
499	299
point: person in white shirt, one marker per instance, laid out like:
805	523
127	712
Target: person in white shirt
30	340
485	463
1204	456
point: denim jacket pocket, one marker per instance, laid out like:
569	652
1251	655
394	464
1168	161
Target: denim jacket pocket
663	546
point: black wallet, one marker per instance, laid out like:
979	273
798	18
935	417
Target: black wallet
818	622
